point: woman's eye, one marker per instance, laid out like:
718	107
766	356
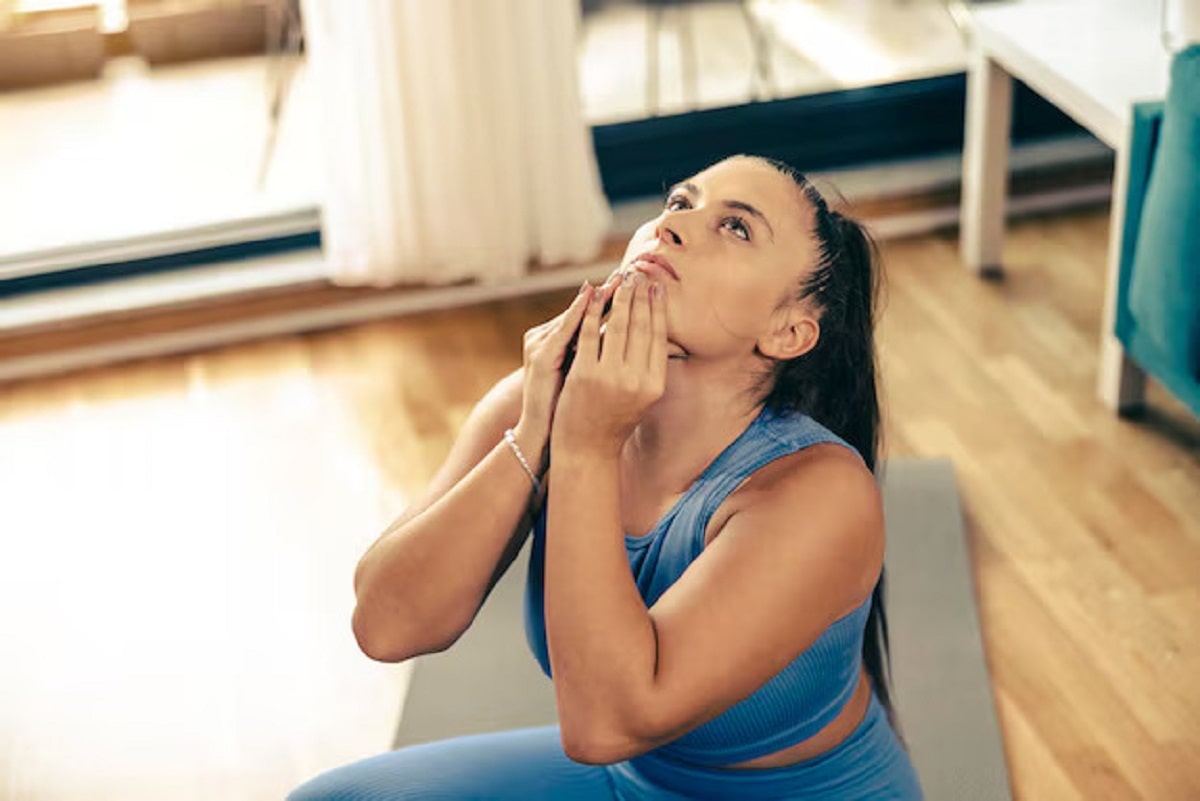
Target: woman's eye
739	228
735	224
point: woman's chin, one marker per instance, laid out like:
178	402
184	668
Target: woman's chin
675	352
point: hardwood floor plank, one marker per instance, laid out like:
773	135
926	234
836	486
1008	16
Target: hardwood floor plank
1050	679
1036	771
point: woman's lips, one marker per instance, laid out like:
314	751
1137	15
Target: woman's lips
654	269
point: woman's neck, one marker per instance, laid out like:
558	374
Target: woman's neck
700	413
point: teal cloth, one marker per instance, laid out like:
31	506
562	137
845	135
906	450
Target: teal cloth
1164	283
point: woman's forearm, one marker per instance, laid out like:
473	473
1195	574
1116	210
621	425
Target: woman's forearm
600	636
419	586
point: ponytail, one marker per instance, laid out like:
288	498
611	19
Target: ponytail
835	383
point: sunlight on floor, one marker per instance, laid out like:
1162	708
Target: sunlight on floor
880	41
137	153
827	39
163	619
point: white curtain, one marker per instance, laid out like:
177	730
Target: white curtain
454	140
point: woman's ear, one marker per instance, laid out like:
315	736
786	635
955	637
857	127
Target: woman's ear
796	334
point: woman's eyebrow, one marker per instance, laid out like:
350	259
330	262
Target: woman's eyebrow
746	207
692	189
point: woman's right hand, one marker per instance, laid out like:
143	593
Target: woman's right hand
545	352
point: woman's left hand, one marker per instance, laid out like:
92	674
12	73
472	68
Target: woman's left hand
609	388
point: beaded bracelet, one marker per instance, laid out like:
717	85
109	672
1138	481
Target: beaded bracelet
511	439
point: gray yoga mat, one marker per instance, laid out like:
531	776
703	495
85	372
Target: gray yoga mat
489	681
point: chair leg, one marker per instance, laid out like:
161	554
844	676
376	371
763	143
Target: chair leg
760	39
653	26
687	56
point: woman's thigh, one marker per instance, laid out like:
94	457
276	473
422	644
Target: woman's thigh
517	764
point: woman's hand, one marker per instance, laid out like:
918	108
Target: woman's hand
544	351
609	388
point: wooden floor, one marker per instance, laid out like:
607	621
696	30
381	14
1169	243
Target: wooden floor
177	536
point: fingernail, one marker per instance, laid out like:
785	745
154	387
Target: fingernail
656	291
583	287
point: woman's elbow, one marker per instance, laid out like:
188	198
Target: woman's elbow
392	641
585	751
597	748
372	641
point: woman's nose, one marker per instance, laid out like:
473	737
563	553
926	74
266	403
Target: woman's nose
667	233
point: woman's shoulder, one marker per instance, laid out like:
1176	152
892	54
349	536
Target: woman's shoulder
834	491
810	457
799	431
823	462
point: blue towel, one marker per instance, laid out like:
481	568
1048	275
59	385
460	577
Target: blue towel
1164	289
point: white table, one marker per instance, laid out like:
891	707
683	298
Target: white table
1091	58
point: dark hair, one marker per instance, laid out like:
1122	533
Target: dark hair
835	382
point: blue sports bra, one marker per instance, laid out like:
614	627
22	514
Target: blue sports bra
795	703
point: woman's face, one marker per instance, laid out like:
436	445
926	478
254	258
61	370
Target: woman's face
737	237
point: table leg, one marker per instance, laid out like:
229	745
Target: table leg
985	164
1121	383
653	27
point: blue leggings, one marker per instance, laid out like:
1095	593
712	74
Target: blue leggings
530	764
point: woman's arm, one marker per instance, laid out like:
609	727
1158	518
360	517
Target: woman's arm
420	585
628	679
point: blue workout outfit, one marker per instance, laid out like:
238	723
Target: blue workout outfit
796	703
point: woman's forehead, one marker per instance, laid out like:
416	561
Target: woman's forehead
753	181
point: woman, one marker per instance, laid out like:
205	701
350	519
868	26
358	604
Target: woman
705	583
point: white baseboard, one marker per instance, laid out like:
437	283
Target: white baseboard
290	223
922	222
305	321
